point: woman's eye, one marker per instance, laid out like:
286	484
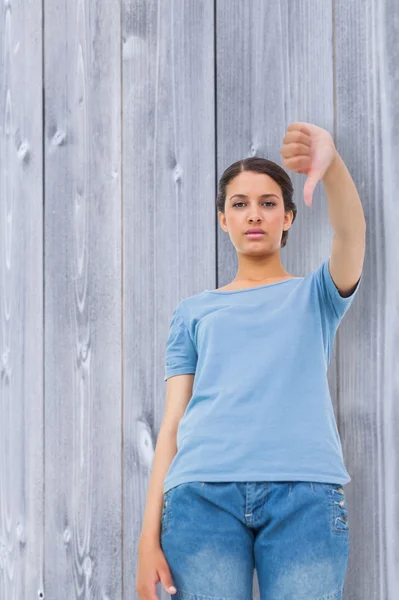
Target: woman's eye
272	203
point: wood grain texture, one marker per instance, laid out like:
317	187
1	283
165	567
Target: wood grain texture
366	101
83	301
21	303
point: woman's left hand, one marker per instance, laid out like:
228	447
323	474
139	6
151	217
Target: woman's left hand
310	150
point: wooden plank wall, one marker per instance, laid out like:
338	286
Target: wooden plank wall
21	303
116	121
83	301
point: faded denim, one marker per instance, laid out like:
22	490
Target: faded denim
295	534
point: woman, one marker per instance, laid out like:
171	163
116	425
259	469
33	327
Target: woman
257	479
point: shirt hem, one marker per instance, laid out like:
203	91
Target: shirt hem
174	481
179	371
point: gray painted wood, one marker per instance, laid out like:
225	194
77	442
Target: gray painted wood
83	301
366	101
21	303
105	232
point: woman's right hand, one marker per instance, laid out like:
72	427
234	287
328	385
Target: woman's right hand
152	568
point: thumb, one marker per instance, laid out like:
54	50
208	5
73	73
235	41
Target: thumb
310	184
167	582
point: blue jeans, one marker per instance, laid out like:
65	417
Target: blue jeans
295	534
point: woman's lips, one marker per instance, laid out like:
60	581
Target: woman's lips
255	236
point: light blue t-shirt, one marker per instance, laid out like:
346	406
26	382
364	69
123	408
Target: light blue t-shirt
261	408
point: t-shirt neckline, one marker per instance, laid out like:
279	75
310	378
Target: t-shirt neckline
256	287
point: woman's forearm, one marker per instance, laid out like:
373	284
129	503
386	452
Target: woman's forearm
165	450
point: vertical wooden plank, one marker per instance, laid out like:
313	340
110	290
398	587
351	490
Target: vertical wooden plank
21	302
169	215
367	95
83	500
385	17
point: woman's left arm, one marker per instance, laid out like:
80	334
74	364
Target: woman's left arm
344	206
309	149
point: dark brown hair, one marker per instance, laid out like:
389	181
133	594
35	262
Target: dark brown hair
259	165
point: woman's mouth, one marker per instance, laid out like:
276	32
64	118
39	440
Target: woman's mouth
255	236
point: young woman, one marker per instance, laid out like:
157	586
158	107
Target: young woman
253	471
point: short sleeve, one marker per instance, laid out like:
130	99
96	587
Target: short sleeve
336	305
180	353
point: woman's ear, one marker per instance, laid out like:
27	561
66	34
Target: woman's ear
222	221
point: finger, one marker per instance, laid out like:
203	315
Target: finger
148	594
295	149
299	126
167	583
309	186
297	163
297	136
170	589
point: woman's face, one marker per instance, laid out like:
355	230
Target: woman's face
254	211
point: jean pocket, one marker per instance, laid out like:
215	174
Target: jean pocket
338	509
165	510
